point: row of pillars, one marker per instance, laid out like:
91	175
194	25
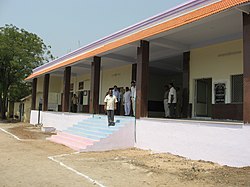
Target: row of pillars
140	73
141	84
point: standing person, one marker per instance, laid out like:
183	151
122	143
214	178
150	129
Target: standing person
127	101
172	100
118	97
133	96
110	106
74	103
165	101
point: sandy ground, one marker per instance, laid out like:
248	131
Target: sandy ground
26	163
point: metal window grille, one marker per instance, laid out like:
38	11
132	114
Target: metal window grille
237	88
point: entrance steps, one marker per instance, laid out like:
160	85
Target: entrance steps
93	134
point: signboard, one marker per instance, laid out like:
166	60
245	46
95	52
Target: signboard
85	92
219	93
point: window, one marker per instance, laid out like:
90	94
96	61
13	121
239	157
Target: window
71	86
237	88
80	85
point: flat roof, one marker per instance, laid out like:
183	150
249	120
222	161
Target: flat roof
188	12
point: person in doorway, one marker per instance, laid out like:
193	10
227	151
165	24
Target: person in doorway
133	96
165	101
116	93
127	101
74	101
172	100
110	106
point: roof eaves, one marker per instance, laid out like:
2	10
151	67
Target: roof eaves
150	22
80	53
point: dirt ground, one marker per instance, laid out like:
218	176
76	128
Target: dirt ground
26	163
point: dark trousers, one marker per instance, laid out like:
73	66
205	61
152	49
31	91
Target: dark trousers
74	108
172	110
110	114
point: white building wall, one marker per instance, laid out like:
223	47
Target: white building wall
224	143
59	120
86	86
121	77
17	108
54	97
40	84
218	62
55	84
108	78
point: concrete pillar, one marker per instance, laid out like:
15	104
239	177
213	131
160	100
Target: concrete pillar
66	89
34	90
95	85
246	68
46	92
134	69
185	82
142	79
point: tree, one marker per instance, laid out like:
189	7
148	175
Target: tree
20	52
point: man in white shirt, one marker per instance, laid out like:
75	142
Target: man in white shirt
127	101
110	106
133	96
172	100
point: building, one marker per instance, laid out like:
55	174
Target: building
202	46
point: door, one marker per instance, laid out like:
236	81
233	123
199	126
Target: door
203	97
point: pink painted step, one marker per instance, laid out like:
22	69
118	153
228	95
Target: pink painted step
76	148
75	137
72	141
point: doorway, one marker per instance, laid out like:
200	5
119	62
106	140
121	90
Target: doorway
203	97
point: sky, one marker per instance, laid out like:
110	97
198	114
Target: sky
66	25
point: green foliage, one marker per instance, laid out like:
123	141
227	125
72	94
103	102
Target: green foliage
20	52
19	91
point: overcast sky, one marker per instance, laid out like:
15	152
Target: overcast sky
69	24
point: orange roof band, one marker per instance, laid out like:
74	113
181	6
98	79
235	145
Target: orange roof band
166	26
